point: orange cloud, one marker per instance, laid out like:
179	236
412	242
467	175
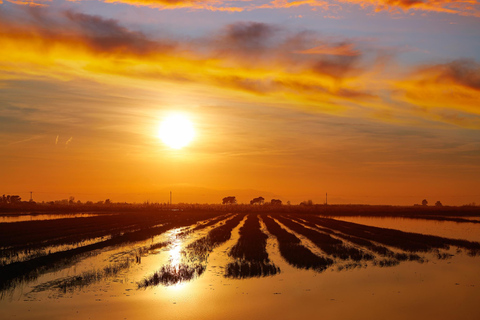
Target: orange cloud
447	92
246	57
211	5
40	3
465	8
296	3
342	49
249	61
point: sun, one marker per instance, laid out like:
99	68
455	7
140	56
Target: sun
176	131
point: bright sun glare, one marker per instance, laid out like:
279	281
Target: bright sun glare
176	131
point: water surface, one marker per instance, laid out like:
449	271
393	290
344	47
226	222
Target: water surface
429	289
34	217
449	229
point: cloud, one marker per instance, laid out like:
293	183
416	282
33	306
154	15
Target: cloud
250	57
448	92
462	72
260	62
248	36
279	4
464	7
341	49
77	29
56	140
68	141
211	5
40	3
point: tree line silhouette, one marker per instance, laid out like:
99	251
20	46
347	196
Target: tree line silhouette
254	201
10	199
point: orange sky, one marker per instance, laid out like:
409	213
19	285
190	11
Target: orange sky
374	115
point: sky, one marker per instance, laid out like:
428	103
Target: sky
370	101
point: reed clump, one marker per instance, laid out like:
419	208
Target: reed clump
172	274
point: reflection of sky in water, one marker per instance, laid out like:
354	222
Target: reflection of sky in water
448	229
421	291
36	217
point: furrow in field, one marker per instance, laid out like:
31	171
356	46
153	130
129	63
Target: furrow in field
329	245
251	257
394	257
292	250
407	241
195	256
29	270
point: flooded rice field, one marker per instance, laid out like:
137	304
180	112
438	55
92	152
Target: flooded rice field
33	217
464	230
204	265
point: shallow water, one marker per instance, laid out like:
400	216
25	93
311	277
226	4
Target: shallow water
435	289
448	229
34	217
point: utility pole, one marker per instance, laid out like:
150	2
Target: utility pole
326	196
31	196
170	197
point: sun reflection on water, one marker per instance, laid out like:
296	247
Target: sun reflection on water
176	253
178	287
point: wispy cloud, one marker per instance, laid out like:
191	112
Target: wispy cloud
341	49
447	92
39	3
464	8
24	140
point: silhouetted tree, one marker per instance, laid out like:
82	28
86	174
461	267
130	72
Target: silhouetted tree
71	200
276	202
108	201
424	202
11	199
438	204
306	203
259	200
471	204
229	200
